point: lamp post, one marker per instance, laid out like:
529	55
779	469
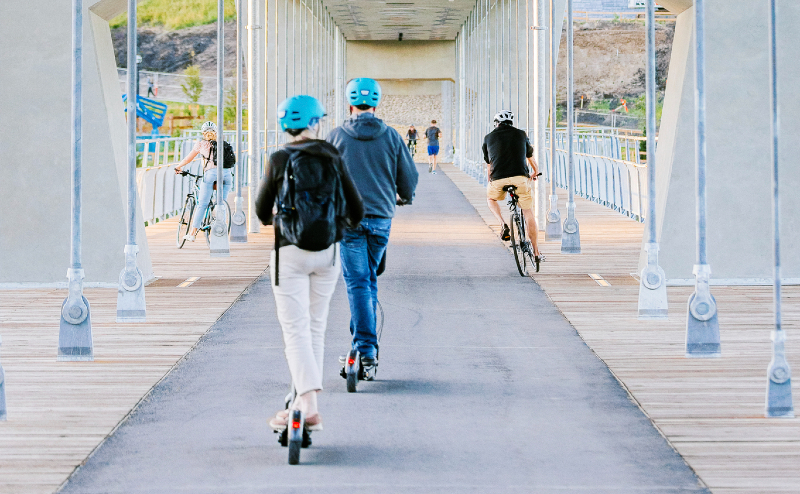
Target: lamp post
239	219
254	152
540	111
131	304
779	374
702	325
218	237
554	229
652	282
571	236
75	330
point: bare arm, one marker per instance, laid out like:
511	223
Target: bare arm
534	167
186	160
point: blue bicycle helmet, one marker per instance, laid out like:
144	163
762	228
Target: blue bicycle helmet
300	112
363	91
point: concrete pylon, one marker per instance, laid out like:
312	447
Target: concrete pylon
738	142
35	111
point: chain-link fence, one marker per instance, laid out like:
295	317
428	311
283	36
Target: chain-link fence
168	87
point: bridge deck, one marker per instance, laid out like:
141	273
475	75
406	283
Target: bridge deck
58	412
711	410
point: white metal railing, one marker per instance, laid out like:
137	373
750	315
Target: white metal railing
609	169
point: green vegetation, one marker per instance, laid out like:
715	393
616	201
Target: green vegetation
177	14
638	107
193	87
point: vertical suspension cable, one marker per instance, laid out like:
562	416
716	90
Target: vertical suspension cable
503	49
516	60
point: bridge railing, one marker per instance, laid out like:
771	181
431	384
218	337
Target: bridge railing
609	169
162	193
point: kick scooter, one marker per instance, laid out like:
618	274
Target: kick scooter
296	434
352	368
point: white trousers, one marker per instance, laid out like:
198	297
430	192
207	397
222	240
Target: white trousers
306	284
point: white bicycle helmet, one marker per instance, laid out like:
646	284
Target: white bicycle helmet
504	116
208	126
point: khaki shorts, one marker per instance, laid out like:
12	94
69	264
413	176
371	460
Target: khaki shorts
495	190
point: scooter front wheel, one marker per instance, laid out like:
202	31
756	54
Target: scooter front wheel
352	368
295	433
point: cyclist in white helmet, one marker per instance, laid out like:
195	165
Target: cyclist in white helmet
203	148
509	154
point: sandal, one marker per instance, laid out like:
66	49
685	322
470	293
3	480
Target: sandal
314	423
280	420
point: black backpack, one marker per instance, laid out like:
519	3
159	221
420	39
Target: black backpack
229	158
310	203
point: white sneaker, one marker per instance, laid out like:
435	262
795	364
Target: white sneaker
190	238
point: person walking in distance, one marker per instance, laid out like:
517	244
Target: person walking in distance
304	266
150	88
509	153
382	167
433	134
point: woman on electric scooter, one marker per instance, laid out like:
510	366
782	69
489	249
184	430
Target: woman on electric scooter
303	281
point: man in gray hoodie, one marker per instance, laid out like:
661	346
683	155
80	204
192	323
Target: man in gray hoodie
382	168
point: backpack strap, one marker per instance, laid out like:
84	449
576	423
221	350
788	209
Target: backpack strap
277	230
277	257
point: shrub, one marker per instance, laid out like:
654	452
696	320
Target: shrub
193	87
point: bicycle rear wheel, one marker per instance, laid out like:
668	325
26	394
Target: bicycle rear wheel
517	239
185	221
527	247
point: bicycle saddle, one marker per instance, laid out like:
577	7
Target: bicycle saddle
509	188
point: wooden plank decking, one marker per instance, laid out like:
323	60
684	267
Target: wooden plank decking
58	412
711	410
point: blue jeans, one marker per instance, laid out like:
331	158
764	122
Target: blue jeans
362	249
207	189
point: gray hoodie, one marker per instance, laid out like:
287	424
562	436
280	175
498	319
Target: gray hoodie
378	161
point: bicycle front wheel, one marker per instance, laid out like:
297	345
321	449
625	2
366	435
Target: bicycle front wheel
517	242
211	217
185	221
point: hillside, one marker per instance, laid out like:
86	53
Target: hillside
176	14
165	50
609	55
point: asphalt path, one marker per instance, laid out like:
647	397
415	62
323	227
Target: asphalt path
483	387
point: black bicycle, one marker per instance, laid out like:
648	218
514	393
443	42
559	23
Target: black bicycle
412	147
185	220
523	250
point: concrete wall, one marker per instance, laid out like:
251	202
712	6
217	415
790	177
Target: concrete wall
431	60
35	108
416	78
738	150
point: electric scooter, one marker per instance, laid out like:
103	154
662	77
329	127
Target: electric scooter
295	435
353	369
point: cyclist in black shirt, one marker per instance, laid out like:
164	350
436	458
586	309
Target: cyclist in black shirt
509	154
411	137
